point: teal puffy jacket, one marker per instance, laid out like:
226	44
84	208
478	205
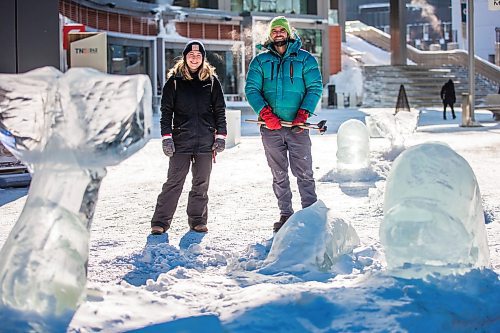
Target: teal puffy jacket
286	83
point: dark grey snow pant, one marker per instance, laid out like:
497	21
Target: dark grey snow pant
197	210
283	147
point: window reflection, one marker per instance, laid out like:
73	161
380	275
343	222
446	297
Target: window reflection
227	66
127	59
312	42
275	6
171	57
213	4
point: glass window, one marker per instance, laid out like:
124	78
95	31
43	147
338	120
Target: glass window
275	6
213	4
127	59
171	57
333	16
227	67
237	6
312	42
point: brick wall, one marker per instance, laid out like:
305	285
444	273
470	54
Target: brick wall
108	21
335	48
208	30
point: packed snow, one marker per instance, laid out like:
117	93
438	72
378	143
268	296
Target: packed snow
236	278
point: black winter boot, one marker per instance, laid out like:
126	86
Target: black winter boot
277	226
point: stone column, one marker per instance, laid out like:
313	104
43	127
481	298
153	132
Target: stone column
29	35
161	71
398	32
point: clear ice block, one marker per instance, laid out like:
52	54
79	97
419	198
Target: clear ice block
66	128
433	214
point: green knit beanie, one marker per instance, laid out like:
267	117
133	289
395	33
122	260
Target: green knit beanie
280	21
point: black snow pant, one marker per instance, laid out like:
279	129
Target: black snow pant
197	207
445	104
283	147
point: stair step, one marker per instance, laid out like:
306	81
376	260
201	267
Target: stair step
422	84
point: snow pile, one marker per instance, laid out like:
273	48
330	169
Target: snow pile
352	177
349	81
433	216
309	242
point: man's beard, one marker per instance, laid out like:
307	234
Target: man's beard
281	42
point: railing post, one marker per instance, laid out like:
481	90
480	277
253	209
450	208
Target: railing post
466	120
467	111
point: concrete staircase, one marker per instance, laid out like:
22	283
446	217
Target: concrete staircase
422	84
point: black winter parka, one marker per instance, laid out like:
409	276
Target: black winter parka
448	93
193	111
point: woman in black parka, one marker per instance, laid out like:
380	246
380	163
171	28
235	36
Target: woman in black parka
193	129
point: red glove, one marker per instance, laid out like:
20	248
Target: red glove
301	117
272	120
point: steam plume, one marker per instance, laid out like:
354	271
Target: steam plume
429	13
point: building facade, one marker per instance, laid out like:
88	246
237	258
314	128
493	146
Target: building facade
145	37
486	29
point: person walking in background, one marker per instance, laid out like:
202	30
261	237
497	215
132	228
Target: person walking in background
448	97
284	84
193	128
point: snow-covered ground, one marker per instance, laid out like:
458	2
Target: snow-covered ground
211	283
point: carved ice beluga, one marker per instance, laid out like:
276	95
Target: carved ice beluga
66	128
433	214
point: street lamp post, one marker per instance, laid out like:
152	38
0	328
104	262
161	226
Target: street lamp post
472	69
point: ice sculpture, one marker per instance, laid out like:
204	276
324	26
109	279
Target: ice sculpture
310	240
353	146
433	216
67	128
395	127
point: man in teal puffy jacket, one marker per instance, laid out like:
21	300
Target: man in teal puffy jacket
284	84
